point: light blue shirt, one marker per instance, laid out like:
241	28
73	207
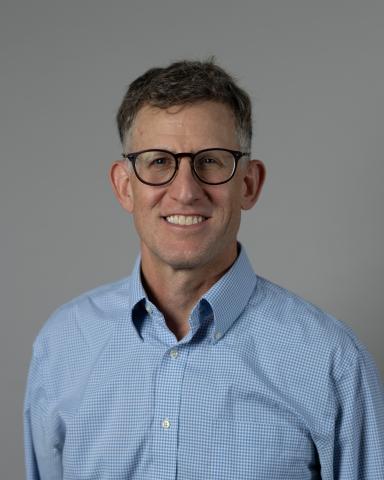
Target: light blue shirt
265	387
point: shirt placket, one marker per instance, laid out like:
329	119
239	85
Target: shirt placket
167	399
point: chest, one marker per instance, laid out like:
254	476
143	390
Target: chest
185	413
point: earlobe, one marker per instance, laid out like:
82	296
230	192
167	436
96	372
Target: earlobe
119	177
253	181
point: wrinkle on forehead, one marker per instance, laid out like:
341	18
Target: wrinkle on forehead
188	121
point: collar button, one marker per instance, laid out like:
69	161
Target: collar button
218	335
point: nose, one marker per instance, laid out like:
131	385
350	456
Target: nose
185	188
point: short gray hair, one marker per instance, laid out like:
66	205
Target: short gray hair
186	82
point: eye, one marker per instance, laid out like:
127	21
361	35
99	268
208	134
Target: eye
208	161
159	161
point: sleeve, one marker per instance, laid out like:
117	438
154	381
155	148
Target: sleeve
359	435
32	472
42	460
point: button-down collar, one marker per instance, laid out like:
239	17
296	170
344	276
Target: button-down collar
223	302
229	296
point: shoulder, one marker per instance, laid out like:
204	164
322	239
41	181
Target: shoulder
315	359
71	341
296	330
83	322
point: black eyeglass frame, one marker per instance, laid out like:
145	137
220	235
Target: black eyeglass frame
177	156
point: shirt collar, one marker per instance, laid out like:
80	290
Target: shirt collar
137	290
227	297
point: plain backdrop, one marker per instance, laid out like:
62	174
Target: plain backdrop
315	72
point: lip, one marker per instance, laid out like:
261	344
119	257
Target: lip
185	214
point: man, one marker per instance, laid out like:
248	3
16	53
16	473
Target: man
194	367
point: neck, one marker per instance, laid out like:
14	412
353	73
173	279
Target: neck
176	291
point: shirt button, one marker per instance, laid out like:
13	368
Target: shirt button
218	335
174	353
165	423
148	308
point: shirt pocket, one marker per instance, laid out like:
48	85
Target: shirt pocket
262	451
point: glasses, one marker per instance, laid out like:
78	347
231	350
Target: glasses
213	166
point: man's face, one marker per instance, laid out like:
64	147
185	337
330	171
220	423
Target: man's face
155	209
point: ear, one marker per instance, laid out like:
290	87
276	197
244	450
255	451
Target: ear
253	180
120	178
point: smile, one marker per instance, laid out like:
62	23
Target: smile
185	219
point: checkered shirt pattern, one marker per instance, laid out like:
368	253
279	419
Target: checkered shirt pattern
265	386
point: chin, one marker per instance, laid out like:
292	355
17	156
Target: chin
185	263
187	260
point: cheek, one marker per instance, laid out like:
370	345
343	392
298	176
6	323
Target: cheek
145	198
228	212
230	202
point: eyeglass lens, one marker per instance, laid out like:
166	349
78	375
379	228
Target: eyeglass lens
212	166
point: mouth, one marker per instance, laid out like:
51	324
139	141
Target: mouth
185	219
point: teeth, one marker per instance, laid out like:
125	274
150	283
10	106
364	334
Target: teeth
184	219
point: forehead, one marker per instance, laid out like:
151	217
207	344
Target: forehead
197	125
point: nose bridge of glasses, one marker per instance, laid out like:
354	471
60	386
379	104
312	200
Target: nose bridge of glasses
189	174
179	156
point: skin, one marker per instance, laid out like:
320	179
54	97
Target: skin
180	263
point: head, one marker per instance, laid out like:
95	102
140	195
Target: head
186	107
185	83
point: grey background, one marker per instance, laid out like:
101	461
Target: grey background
315	71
